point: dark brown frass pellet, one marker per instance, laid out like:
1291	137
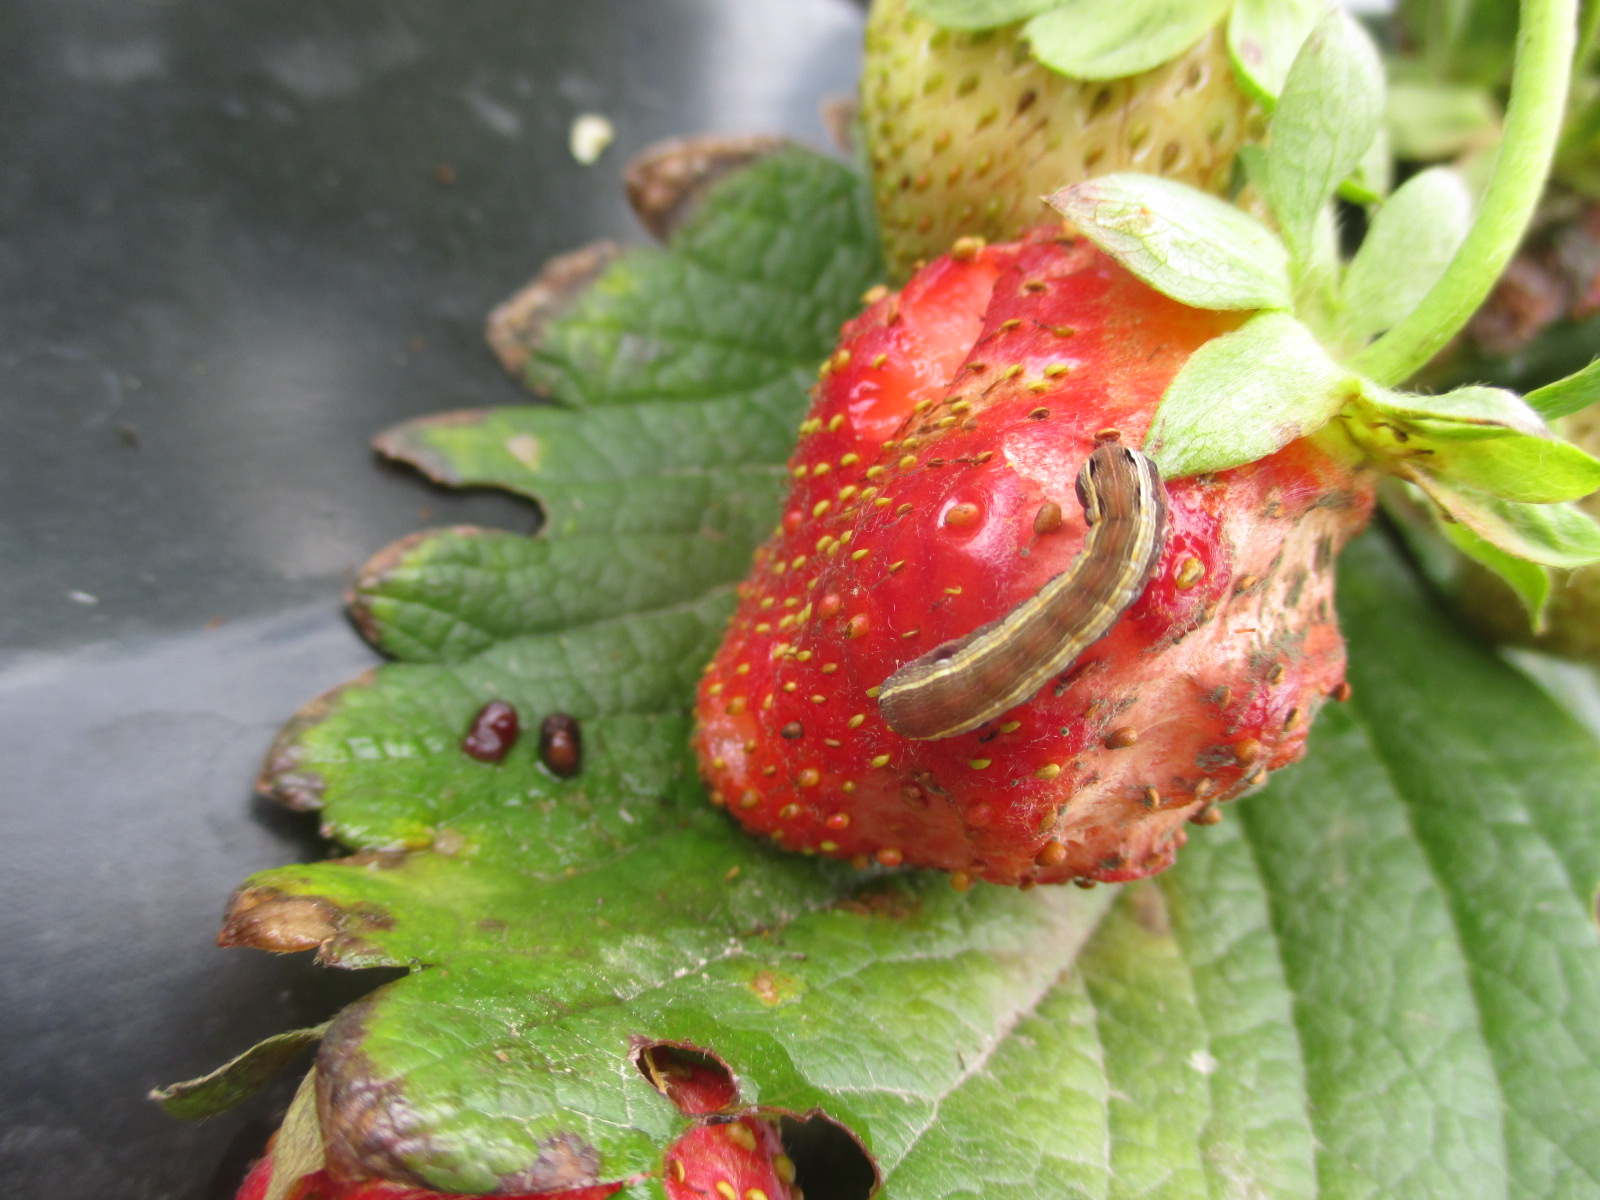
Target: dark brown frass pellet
493	732
561	745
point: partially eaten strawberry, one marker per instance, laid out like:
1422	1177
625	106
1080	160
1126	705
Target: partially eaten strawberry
934	491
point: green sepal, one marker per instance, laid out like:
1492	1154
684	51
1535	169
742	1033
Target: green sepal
1325	121
1441	547
1245	394
1110	39
1197	249
1552	535
1567	396
1486	439
1263	38
238	1078
1409	243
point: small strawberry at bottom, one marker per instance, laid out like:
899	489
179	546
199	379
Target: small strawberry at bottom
737	1159
934	490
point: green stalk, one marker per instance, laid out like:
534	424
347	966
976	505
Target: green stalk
1539	81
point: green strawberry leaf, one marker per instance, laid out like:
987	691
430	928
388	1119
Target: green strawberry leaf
1552	535
977	14
1108	39
1325	121
1567	396
1193	247
1485	438
1263	38
1256	1017
1411	240
1245	394
1380	978
239	1077
738	307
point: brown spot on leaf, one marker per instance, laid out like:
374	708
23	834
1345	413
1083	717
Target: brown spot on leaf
517	325
368	1129
669	180
770	988
565	1162
884	899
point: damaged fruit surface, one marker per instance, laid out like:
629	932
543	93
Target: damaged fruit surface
934	490
1379	976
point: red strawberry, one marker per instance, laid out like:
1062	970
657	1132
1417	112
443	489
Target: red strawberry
934	491
739	1160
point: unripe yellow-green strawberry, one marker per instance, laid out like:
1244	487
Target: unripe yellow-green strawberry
967	130
1572	617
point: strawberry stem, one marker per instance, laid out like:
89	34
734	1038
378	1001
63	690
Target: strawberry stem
1545	38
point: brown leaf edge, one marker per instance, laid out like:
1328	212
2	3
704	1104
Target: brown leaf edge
668	181
517	325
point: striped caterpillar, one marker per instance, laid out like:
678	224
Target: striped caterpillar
956	687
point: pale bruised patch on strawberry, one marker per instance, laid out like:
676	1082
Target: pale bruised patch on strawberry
1210	679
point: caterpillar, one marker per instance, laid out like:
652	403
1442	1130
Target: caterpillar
957	686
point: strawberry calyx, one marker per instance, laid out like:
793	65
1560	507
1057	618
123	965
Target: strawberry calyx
1330	340
1111	39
